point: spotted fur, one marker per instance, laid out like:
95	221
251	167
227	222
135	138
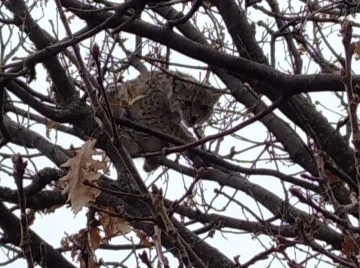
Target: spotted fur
161	101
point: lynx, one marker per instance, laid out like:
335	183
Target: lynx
162	101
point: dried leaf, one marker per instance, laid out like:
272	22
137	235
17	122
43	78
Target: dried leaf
95	238
87	242
91	263
348	246
82	168
314	225
301	49
113	226
65	243
332	177
357	50
30	215
143	238
50	209
49	126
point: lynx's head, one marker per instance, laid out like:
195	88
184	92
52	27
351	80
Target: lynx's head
195	102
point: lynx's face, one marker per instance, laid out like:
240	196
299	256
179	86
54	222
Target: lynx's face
196	103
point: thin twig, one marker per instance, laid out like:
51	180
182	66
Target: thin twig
270	109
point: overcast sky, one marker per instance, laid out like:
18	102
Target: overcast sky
54	226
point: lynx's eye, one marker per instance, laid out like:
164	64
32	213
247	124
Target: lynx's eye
205	108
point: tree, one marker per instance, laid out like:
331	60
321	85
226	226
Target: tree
277	162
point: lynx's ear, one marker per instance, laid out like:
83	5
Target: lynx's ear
215	96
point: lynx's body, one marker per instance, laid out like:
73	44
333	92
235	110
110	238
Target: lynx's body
161	101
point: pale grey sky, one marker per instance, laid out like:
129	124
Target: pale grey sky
54	226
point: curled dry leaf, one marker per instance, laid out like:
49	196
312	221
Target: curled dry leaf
49	126
113	226
95	238
144	239
84	242
83	167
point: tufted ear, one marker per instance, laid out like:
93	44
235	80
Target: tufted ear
215	96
